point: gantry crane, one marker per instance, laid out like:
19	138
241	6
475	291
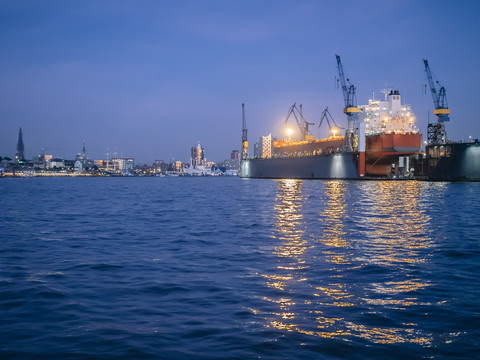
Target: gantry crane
436	134
303	125
327	116
351	109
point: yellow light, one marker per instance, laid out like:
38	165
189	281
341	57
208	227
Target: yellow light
334	131
289	131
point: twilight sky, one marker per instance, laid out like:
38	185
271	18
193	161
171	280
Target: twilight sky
148	79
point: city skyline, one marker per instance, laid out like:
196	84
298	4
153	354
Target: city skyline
149	80
82	155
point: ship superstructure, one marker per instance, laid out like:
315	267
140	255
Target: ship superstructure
388	116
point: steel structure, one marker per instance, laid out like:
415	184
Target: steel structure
436	134
439	98
327	116
303	125
351	109
244	135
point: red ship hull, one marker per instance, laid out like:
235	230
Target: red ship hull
383	152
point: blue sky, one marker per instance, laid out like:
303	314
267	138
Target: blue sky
149	79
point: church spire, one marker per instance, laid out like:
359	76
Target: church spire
20	156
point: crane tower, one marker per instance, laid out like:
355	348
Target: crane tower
436	134
351	109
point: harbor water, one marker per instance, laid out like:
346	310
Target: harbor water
230	268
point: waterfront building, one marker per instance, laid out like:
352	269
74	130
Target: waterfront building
123	165
78	166
56	163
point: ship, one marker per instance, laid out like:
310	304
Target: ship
381	142
384	145
392	138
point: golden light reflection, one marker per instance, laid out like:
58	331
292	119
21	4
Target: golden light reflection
396	287
391	231
333	215
389	335
289	233
396	225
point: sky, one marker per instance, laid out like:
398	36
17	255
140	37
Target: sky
149	79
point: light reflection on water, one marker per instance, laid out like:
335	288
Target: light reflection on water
378	234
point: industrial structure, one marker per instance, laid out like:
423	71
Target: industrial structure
303	125
244	135
381	141
351	109
436	134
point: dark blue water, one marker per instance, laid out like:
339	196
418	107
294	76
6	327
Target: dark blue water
219	268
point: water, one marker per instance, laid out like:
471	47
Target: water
220	268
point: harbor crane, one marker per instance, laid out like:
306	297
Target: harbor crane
244	135
436	134
351	109
329	118
303	125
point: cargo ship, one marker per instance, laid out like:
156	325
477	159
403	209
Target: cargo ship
392	138
383	145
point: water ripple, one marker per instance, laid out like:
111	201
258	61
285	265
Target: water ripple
164	268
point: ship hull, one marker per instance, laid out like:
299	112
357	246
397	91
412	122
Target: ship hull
325	166
383	152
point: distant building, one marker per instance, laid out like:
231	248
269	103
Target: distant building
56	163
123	165
158	166
234	162
20	154
83	155
78	166
235	155
264	147
197	155
84	160
178	166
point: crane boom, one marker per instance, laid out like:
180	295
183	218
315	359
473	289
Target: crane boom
348	91
303	125
327	116
439	98
342	80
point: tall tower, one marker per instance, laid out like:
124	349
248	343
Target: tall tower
198	155
20	156
244	135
